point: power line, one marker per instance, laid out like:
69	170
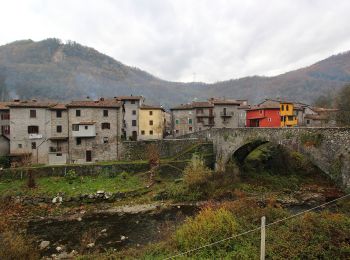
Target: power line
258	228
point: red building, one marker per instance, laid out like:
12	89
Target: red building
263	117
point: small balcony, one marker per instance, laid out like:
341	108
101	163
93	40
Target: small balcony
55	149
227	114
209	115
210	124
35	136
84	130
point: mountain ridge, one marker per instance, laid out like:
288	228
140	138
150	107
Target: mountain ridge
50	69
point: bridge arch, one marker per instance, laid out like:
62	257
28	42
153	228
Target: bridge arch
327	148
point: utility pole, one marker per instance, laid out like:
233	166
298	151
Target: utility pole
262	242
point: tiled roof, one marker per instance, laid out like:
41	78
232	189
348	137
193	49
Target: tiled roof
204	104
217	101
31	103
129	97
59	107
324	110
4	105
316	117
182	107
151	107
98	103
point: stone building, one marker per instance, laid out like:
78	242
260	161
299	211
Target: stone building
204	114
131	105
226	113
182	120
151	122
58	140
4	128
30	126
95	130
320	117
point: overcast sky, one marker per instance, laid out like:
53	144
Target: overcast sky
215	40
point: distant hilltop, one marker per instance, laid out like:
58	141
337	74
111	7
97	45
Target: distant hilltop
50	69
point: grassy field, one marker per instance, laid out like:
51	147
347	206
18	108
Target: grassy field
50	186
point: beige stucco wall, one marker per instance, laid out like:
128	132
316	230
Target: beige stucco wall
157	127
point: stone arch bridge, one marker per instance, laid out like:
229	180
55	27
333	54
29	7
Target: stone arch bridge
327	148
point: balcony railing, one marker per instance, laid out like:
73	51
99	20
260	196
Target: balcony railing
226	114
55	149
210	115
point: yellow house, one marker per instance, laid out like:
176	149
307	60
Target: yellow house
151	122
288	117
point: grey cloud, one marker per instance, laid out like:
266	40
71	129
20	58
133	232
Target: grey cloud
217	40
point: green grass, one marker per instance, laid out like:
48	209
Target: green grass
52	185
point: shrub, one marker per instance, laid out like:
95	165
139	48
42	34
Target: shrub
16	246
5	162
196	173
71	176
208	226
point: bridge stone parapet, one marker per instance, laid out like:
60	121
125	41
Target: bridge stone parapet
327	148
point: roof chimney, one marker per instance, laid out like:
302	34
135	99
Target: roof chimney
33	100
102	99
87	97
16	100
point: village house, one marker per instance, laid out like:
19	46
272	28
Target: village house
30	126
95	130
273	113
182	120
58	140
226	113
130	105
4	128
152	122
320	117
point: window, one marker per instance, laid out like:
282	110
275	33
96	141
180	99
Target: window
33	145
143	132
190	121
19	146
287	107
75	127
132	102
133	123
58	113
150	113
200	120
59	129
308	121
177	121
260	111
33	129
78	141
105	140
5	129
77	112
32	113
282	107
5	116
199	111
190	129
150	122
105	113
106	126
134	112
269	119
151	132
58	154
86	127
177	131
